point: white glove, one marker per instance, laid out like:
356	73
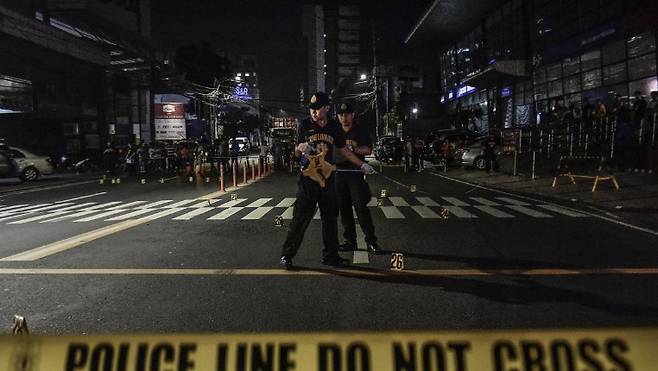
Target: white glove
367	169
304	148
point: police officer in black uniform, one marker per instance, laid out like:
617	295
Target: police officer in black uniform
352	188
319	133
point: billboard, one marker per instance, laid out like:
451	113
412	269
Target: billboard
170	121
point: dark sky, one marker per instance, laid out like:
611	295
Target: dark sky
272	31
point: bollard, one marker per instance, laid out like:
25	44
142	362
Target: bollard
222	187
586	143
244	171
381	167
641	131
514	171
253	171
612	141
259	165
570	144
235	173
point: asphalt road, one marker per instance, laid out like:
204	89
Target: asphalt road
181	257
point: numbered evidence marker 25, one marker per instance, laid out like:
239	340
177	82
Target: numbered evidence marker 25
397	261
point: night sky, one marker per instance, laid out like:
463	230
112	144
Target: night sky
272	31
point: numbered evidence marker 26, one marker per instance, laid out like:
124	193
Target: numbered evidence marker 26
397	261
278	221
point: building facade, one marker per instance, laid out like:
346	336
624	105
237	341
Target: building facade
526	59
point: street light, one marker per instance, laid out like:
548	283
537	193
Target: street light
364	76
414	111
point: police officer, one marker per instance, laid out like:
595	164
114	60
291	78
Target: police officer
319	133
351	184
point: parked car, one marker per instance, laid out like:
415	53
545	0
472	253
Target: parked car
389	149
28	166
472	154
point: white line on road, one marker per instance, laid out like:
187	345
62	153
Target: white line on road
459	212
484	201
69	243
69	216
40	217
493	211
154	204
563	211
131	214
398	201
99	216
373	202
260	202
82	197
128	205
392	212
28	208
183	203
161	214
286	202
193	213
2	210
425	212
287	215
607	219
426	201
455	201
528	211
226	213
258	213
513	201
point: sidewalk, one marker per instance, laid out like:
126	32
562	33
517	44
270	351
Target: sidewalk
636	201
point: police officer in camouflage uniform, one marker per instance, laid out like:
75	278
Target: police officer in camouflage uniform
317	134
352	188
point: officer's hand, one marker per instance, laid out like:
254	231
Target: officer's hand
304	161
367	169
304	148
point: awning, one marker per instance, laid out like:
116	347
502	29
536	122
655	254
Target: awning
497	73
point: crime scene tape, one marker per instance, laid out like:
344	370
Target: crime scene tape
516	350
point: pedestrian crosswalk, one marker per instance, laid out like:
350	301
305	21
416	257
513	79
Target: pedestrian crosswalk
393	208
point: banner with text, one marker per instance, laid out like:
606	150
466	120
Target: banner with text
170	121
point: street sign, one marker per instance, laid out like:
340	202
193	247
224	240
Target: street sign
397	261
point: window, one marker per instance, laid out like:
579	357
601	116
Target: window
17	154
614	74
572	84
614	52
571	66
540	76
554	72
555	89
642	66
645	86
591	79
641	44
541	92
590	60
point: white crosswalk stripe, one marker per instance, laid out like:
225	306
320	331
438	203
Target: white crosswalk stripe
255	209
528	211
493	211
563	211
227	213
373	202
258	213
425	212
6	208
455	201
485	202
286	202
99	216
317	215
193	213
130	215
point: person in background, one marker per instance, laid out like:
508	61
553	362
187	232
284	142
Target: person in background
639	108
489	146
264	151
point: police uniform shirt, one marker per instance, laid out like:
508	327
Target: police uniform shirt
356	137
322	138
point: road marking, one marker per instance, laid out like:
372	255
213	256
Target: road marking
103	206
70	243
287	215
311	272
69	216
398	201
79	206
232	203
28	208
131	214
360	256
182	203
258	213
607	219
2	210
317	214
154	204
82	197
40	217
392	212
373	202
426	201
563	211
513	201
226	213
260	202
193	213
99	216
286	202
128	205
528	211
455	201
493	211
161	214
484	201
30	212
459	212
425	212
206	203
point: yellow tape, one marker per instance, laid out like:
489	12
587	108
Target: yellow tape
568	350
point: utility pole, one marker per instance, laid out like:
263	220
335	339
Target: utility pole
374	75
